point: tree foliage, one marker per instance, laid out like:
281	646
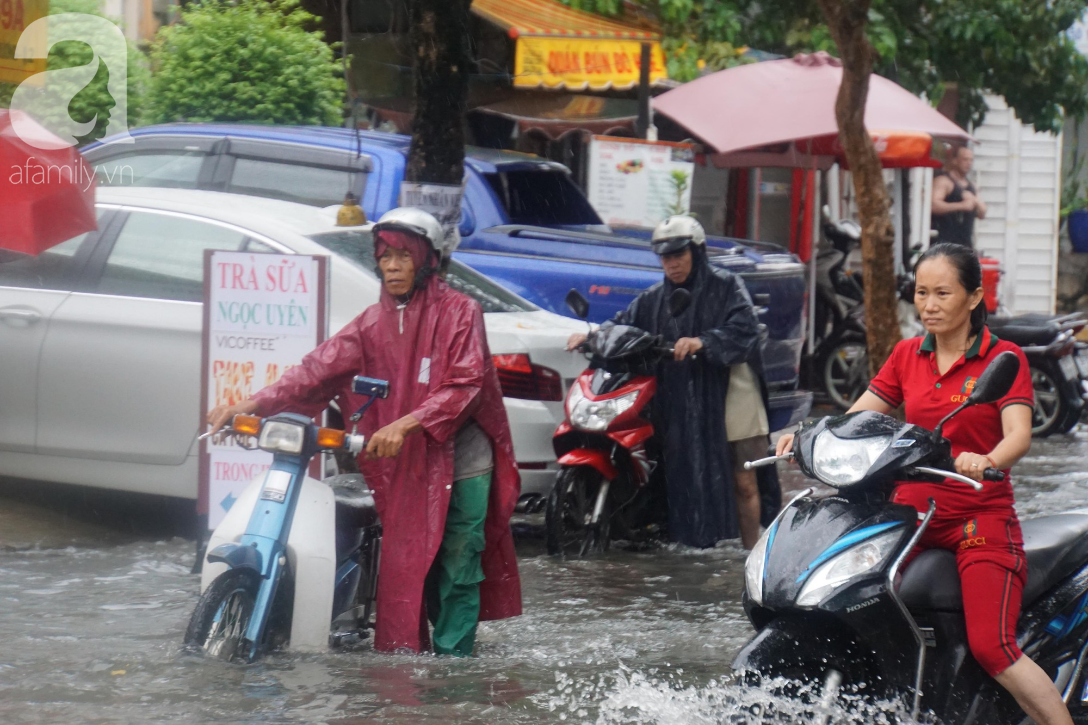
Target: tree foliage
250	61
1015	48
93	101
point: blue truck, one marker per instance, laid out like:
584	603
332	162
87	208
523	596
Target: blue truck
525	223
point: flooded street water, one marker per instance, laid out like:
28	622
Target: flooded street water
96	592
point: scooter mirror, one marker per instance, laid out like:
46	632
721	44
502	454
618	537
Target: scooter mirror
679	301
370	387
578	304
996	380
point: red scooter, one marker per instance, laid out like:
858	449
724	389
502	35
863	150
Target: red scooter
606	448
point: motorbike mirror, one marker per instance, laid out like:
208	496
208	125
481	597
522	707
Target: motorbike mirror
578	304
679	301
996	380
370	387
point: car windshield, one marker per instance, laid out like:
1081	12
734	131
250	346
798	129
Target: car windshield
357	246
541	198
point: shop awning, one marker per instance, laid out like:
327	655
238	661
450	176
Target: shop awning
561	48
556	114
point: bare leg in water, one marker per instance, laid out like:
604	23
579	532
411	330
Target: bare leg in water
747	492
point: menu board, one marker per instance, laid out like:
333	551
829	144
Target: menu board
636	183
262	314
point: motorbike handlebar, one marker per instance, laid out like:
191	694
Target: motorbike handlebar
993	474
769	461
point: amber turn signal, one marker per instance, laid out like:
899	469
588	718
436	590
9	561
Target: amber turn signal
330	438
249	425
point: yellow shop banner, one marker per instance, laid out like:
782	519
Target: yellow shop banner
583	63
15	17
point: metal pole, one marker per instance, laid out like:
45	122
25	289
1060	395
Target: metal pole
816	223
642	125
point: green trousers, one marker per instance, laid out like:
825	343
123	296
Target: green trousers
453	584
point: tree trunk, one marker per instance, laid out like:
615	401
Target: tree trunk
846	20
440	42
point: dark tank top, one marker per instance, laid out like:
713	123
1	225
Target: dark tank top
958	226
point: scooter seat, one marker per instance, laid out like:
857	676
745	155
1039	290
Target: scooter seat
1025	330
354	501
1056	546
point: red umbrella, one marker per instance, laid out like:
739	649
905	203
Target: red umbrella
46	194
782	113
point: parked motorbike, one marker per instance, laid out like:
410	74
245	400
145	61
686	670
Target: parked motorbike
295	560
824	592
1057	371
606	449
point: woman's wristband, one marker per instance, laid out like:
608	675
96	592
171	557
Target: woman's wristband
991	460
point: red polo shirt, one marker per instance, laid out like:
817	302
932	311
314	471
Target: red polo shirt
911	377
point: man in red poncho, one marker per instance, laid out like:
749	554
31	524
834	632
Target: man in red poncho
439	455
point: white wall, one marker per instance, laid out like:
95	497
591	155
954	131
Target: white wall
1018	175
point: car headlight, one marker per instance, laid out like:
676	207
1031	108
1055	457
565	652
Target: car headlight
595	415
753	568
839	462
280	437
842	568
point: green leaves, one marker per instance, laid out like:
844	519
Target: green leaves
249	62
92	101
1014	48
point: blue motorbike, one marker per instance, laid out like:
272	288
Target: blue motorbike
295	561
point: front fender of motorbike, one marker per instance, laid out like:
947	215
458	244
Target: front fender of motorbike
236	556
597	460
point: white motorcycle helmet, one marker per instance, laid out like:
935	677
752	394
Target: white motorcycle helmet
416	221
675	233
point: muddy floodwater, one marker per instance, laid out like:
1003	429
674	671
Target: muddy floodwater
96	592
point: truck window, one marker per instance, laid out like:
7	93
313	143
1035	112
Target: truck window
357	246
541	198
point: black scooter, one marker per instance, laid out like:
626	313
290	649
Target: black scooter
823	584
1057	369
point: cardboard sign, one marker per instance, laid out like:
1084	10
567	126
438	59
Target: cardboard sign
635	183
262	314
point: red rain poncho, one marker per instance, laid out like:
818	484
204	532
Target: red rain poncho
434	354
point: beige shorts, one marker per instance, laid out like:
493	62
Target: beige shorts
745	415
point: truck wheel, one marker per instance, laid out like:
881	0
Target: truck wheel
846	371
568	512
1049	413
219	622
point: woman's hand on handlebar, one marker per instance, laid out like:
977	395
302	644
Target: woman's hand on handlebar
972	465
576	340
220	415
785	445
686	346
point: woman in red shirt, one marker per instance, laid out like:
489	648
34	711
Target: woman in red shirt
930	377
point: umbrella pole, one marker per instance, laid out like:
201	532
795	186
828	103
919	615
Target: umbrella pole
816	223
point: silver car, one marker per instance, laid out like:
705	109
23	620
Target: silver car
100	338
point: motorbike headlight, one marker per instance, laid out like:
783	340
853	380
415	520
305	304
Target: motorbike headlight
843	567
280	437
595	415
840	462
753	568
